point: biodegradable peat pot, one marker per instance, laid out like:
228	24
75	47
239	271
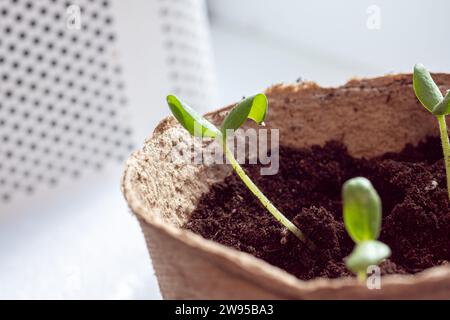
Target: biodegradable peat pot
369	116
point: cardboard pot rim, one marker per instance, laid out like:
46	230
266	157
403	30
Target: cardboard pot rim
258	267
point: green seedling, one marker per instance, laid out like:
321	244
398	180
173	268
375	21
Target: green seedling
254	108
432	99
362	220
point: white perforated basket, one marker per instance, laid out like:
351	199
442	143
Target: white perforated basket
74	93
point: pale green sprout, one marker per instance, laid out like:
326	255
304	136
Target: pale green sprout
362	220
255	108
432	99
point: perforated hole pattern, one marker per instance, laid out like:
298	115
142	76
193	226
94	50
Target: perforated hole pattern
62	104
190	66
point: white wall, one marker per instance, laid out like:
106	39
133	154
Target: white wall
258	43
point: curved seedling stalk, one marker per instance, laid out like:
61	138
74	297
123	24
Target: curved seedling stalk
254	108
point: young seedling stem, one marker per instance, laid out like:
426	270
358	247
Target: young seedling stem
361	276
432	99
445	148
255	108
263	199
362	220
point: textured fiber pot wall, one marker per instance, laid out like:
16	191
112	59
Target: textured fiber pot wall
370	116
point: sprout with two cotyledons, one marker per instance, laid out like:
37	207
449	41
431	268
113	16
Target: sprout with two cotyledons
432	99
254	108
362	220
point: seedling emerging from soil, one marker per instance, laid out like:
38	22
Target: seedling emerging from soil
362	219
431	98
255	108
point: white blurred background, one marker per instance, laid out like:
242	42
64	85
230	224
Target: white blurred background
77	239
258	43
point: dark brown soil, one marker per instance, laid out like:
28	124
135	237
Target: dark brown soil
307	189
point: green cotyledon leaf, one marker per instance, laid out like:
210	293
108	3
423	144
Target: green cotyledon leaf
192	121
367	253
361	209
443	107
425	88
254	107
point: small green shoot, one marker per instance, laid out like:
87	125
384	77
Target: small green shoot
254	108
362	220
432	99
